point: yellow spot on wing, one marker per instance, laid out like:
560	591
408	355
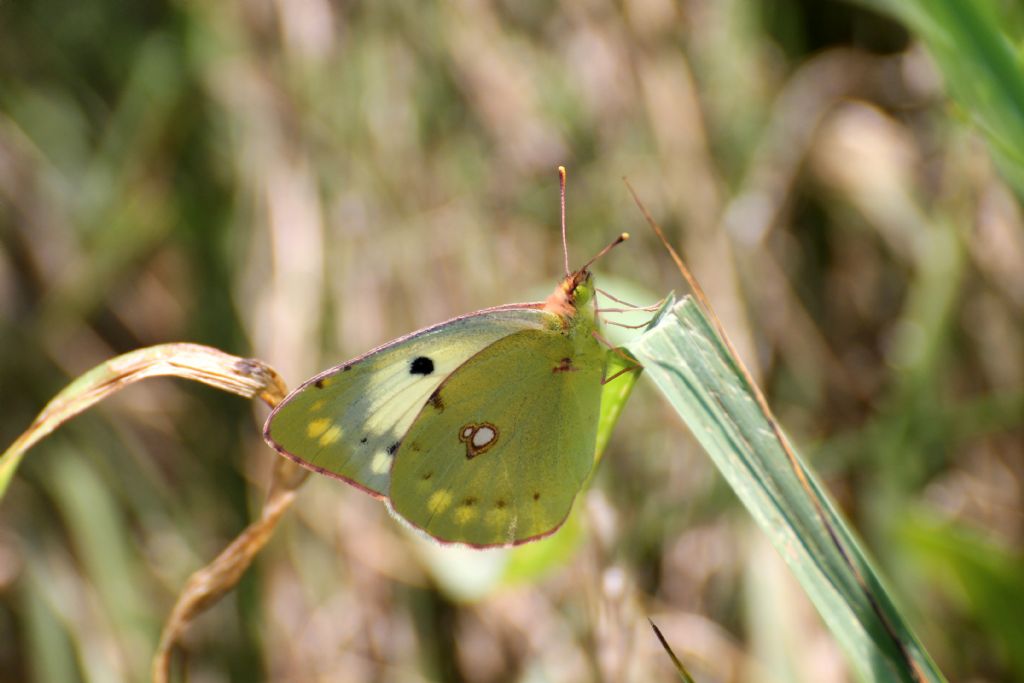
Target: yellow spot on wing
332	435
464	513
318	405
439	501
497	517
317	427
381	463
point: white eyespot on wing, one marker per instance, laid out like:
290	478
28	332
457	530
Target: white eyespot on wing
483	436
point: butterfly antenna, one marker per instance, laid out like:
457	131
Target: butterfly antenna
614	243
565	242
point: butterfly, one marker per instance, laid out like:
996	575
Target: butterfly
479	430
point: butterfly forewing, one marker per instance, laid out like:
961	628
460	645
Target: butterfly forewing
348	421
499	452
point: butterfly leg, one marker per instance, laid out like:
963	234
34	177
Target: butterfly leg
619	352
628	327
630	307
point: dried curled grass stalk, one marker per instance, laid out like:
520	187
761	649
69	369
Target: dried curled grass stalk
243	376
209	584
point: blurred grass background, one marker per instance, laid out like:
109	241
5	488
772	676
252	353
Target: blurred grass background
300	181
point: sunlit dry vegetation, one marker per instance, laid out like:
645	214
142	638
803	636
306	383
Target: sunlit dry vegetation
300	181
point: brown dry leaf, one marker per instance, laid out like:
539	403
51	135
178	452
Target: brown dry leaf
243	376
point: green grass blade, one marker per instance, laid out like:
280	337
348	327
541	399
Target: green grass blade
616	393
692	367
976	46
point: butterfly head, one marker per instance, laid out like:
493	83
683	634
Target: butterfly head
577	289
580	287
572	293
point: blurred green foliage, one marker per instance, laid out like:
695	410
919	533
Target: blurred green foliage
301	181
977	46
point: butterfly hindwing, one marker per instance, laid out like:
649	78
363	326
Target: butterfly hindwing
347	422
501	448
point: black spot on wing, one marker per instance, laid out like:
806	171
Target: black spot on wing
363	440
421	366
394	447
319	384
